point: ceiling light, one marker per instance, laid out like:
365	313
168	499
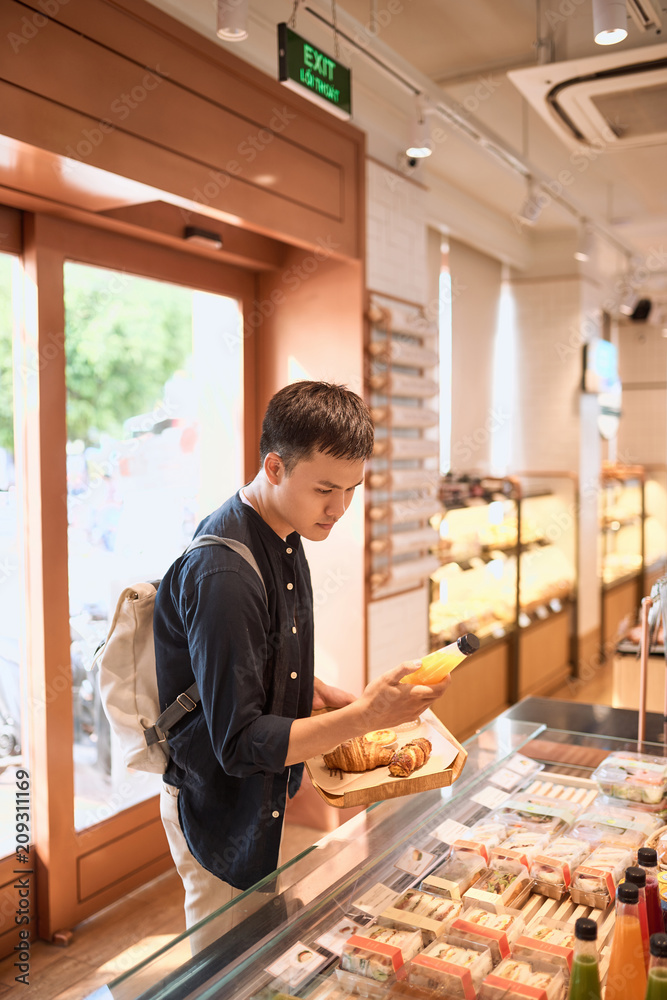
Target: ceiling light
232	20
531	209
420	136
585	244
609	21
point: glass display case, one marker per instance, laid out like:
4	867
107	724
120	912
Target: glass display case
291	930
621	515
475	587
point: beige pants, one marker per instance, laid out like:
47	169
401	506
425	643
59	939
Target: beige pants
204	893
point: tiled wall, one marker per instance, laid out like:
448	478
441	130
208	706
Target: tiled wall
396	256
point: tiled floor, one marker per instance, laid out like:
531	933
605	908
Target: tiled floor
105	944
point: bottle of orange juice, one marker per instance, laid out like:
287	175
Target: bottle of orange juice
626	975
435	667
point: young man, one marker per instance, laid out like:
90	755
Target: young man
237	756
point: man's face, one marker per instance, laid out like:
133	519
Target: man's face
316	494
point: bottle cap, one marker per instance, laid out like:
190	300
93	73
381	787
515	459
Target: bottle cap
648	857
636	875
586	929
658	945
468	643
627	892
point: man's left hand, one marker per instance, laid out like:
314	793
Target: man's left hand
326	696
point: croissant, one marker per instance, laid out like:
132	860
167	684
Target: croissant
358	755
410	757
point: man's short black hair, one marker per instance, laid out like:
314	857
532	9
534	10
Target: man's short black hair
306	417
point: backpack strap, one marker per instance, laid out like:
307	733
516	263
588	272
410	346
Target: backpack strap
187	700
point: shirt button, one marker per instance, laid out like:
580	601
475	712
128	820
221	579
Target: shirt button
290	586
275	814
294	675
288	551
293	628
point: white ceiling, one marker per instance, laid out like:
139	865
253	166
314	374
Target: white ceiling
458	54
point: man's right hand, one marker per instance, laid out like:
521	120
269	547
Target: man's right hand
386	703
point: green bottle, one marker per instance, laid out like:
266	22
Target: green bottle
585	975
656	988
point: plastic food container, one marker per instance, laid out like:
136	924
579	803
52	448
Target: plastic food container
514	978
421	911
351	987
379	952
594	883
507	883
552	868
451	964
547	940
614	824
495	930
535	814
482	838
521	846
453	878
635	777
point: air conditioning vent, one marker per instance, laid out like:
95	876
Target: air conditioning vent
643	14
611	101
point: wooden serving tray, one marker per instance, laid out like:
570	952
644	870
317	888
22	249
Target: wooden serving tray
391	788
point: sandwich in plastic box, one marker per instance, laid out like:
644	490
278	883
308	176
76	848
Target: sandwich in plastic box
516	979
451	964
521	846
421	911
495	930
594	883
379	952
635	777
453	878
481	839
502	884
615	824
535	814
546	940
552	868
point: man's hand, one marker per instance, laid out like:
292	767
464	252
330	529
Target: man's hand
326	696
386	702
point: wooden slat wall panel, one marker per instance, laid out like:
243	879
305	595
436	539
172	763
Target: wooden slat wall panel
300	179
116	860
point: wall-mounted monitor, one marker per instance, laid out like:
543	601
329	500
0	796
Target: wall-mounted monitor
600	366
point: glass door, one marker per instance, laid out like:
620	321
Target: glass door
135	426
154	376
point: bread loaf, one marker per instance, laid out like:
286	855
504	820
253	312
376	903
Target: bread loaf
357	755
410	757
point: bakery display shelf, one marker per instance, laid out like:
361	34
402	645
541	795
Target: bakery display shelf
622	578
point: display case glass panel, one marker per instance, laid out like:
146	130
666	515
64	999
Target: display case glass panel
621	514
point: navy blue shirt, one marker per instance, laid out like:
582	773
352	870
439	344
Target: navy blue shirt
253	665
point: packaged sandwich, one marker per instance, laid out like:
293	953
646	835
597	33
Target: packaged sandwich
379	952
453	878
480	840
495	930
451	964
521	846
421	911
615	824
515	980
552	868
535	814
634	777
594	883
502	884
546	940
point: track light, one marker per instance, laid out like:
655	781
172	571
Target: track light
531	209
609	21
585	244
232	20
627	304
420	136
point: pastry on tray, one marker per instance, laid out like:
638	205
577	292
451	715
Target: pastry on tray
358	754
410	757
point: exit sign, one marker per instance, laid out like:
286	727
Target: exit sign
312	73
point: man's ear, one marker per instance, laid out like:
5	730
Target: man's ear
274	468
